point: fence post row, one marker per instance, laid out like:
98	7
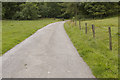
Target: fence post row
110	38
86	28
93	29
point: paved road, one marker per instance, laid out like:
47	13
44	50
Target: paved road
48	53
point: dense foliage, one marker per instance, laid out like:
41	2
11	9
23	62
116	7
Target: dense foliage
35	10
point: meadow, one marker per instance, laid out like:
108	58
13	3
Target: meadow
96	53
15	31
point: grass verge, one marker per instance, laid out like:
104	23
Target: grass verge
14	32
95	52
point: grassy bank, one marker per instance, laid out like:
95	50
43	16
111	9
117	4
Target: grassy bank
95	52
14	32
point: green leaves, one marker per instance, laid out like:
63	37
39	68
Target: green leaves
35	10
28	12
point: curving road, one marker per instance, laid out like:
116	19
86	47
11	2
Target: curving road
48	53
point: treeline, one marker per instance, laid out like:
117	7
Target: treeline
36	10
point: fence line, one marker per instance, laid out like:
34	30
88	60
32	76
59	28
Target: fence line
93	30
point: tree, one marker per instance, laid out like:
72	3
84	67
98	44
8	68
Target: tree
72	8
27	11
9	9
100	10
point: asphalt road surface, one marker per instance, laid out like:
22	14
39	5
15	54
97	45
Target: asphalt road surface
48	53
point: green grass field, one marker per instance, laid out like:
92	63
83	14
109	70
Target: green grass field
14	32
95	52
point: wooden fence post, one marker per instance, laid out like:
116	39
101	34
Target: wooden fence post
63	19
75	22
79	24
110	38
86	28
93	29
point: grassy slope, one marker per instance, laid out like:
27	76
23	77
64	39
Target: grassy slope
13	32
95	52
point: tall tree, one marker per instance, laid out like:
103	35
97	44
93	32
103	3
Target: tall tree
27	11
